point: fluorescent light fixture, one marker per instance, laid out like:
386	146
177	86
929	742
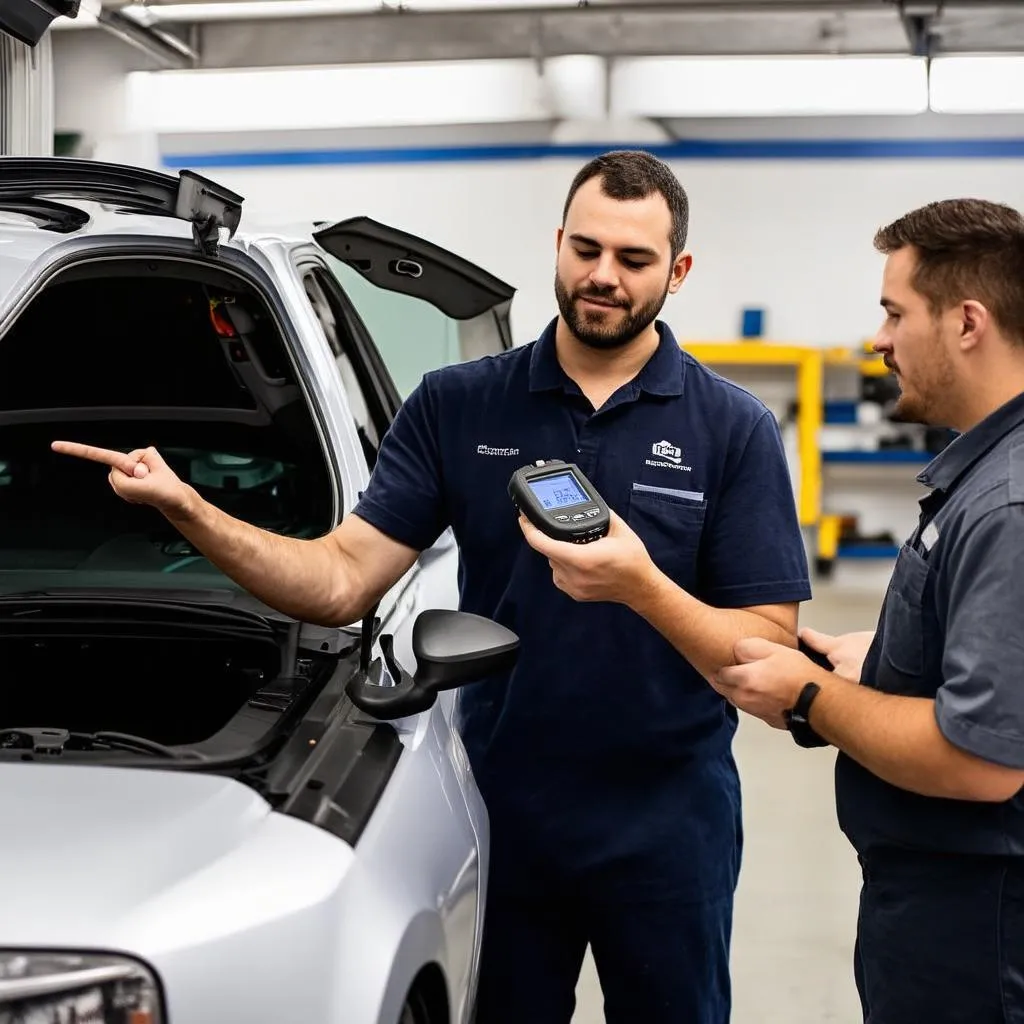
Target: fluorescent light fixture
977	85
768	86
353	96
153	13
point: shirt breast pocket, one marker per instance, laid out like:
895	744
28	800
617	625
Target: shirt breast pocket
669	521
906	639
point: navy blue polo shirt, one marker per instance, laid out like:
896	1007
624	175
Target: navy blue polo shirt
951	629
692	462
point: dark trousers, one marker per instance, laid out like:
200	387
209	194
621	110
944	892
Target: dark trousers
940	939
662	959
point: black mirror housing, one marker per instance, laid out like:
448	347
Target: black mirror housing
452	649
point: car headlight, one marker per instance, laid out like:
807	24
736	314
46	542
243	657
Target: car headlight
70	988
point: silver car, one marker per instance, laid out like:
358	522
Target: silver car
213	813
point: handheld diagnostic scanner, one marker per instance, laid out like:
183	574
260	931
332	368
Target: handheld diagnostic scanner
560	501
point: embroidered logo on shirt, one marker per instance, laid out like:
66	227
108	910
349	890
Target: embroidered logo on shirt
484	449
667	456
664	450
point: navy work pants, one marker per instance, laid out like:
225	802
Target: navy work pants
647	882
940	939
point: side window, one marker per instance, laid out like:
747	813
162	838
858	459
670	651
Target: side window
366	392
414	336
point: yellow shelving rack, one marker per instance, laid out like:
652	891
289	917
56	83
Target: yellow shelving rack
869	363
808	362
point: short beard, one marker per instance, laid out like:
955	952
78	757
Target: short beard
595	334
926	406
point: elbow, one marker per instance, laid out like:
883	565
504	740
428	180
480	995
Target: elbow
339	609
349	602
995	792
992	784
340	601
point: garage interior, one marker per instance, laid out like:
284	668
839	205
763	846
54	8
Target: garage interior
797	126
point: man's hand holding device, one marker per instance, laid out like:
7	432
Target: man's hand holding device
561	515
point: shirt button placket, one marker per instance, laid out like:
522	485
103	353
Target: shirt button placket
586	451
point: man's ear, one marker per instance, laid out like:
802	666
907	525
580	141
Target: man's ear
974	320
680	268
559	233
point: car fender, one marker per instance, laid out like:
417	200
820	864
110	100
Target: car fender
411	955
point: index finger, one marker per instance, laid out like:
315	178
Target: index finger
116	460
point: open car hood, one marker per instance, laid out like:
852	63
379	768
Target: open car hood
401	262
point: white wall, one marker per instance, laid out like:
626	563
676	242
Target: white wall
89	69
789	235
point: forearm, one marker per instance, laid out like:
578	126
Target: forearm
310	580
898	739
701	633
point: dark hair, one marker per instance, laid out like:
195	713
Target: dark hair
635	174
966	249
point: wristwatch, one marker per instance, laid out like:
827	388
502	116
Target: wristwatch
797	722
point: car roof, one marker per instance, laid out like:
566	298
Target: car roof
24	244
62	203
22	240
52	207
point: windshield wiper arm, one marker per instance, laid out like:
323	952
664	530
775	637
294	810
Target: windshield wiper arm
54	742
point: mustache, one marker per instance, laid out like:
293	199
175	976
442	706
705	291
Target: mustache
602	295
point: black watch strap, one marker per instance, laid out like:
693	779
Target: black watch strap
797	721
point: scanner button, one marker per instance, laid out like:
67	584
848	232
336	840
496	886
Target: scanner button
562	519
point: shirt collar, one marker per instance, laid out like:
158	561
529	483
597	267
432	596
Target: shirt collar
964	451
662	374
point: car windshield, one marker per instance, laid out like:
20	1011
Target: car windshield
128	355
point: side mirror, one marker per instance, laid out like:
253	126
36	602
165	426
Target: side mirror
451	649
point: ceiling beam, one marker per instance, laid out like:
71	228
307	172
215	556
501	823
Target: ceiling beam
610	29
639	31
918	20
987	27
166	49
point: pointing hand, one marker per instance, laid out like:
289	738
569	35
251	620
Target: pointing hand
140	477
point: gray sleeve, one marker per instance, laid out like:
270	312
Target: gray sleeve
980	705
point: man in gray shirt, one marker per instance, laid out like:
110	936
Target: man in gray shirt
931	744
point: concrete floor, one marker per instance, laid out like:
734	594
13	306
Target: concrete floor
796	904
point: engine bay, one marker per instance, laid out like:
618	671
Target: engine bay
209	678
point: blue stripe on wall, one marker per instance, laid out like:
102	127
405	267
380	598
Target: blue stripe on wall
693	149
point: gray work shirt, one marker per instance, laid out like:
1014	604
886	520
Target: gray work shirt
951	628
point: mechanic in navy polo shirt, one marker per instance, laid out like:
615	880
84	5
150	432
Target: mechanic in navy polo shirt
605	757
931	744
